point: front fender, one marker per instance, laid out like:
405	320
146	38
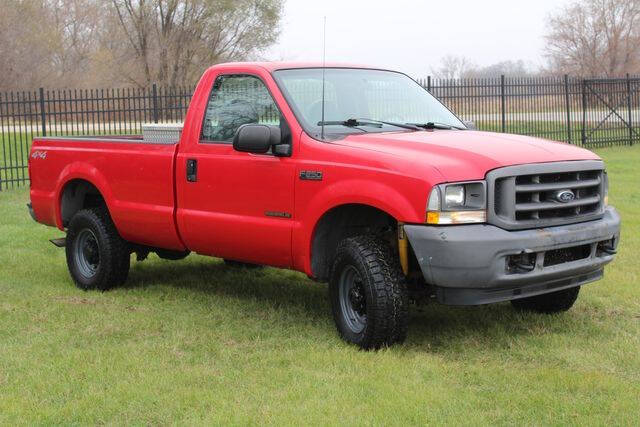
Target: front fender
372	193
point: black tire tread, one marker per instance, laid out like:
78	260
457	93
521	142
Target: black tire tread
387	319
554	302
171	255
116	264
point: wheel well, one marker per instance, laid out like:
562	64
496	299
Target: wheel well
78	194
342	222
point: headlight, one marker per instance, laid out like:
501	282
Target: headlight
458	203
454	195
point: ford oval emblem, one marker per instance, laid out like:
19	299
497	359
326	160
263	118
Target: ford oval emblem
565	196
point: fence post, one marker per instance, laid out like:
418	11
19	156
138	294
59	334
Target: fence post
429	83
155	103
42	113
566	98
629	109
502	93
584	112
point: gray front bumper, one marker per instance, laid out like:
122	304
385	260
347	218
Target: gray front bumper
468	263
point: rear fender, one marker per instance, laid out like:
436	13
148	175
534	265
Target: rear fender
86	172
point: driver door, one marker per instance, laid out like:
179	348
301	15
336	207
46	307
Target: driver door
236	205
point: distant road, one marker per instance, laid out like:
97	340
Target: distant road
555	116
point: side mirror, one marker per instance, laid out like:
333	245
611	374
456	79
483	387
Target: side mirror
470	124
259	139
255	138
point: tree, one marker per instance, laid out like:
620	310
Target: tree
46	42
504	68
595	38
453	67
459	67
171	41
83	43
18	47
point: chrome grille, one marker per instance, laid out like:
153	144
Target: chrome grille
530	196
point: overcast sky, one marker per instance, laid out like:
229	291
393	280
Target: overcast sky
412	36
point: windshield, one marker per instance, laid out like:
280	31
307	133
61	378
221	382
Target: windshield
354	98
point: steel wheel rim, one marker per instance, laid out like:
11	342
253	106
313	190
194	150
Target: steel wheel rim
87	253
352	299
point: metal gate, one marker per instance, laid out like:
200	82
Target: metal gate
610	112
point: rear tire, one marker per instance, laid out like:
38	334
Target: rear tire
554	302
240	264
97	257
369	298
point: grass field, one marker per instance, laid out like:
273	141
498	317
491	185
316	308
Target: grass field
196	342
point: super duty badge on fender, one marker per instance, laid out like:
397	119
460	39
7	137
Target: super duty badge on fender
311	175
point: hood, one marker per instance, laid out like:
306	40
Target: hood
465	155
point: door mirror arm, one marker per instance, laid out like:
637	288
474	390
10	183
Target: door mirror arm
282	150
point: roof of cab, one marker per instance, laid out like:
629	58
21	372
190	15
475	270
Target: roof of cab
273	66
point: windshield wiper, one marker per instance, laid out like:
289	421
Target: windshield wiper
351	123
369	122
400	125
435	125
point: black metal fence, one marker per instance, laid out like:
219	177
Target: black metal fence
591	113
28	114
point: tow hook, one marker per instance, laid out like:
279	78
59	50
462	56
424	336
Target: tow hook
607	247
523	262
524	267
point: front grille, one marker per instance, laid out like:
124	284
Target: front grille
546	194
536	194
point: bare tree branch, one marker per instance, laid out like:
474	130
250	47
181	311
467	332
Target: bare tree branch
595	37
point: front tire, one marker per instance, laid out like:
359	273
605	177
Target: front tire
97	257
554	302
369	298
170	255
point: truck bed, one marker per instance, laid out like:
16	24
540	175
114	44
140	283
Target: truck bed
135	176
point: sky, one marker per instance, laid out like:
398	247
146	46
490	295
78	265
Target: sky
413	36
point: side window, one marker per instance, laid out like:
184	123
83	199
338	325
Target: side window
236	100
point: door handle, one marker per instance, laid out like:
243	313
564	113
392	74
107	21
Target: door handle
192	170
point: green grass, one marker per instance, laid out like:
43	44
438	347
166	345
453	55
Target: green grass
14	152
196	342
604	136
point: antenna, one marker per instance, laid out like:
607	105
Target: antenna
324	56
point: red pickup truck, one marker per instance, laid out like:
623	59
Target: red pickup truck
352	175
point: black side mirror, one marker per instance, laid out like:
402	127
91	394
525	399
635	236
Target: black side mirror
255	138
